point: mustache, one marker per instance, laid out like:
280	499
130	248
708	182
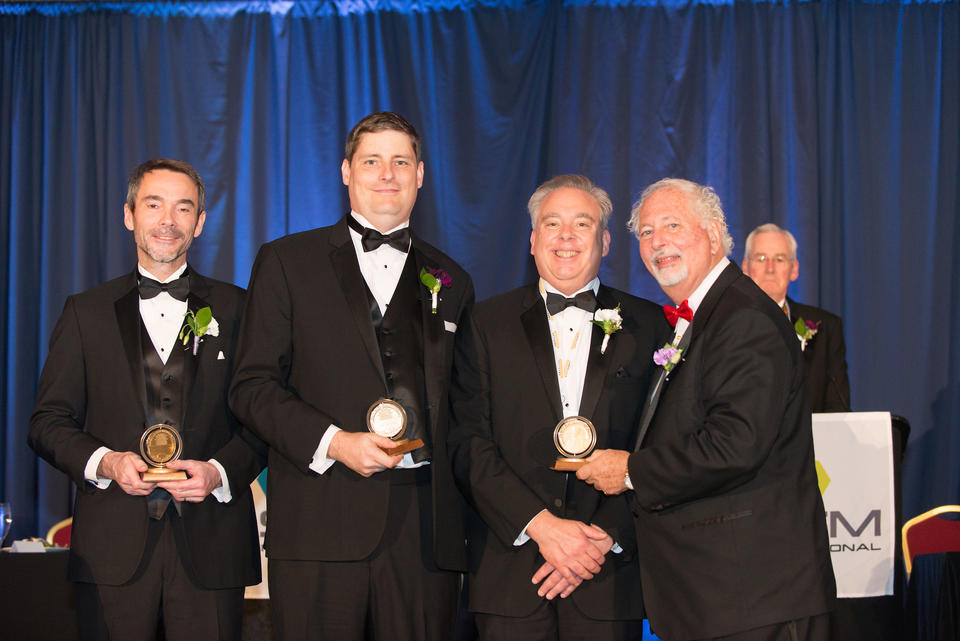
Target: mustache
663	252
168	230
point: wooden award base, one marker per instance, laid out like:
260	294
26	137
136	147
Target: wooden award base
155	474
568	464
403	446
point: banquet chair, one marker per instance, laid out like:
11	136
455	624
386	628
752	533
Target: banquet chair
930	533
59	534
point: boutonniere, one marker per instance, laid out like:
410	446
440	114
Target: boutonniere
609	321
806	330
199	324
433	280
668	356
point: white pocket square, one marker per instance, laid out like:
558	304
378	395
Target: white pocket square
450	327
220	356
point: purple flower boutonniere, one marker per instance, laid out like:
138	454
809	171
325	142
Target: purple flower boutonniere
199	324
433	280
806	330
668	356
609	321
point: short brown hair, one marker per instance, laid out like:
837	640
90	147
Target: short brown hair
381	121
133	185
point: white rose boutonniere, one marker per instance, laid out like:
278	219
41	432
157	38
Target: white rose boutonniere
609	321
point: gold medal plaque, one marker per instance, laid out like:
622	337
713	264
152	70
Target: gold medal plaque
575	438
160	444
387	417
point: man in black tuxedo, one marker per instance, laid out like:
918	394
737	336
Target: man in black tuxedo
770	259
338	318
117	366
732	541
531	358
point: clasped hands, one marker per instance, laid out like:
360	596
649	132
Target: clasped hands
573	552
125	468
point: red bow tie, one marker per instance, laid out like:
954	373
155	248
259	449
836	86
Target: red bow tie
674	313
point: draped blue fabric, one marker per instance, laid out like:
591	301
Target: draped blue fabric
837	120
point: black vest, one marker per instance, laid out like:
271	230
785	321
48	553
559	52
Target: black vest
165	395
164	401
400	336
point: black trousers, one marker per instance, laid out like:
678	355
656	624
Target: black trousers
397	594
161	595
816	628
557	620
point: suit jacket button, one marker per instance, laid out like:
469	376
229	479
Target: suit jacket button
558	502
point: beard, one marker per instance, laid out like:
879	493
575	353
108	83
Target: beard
165	254
671	275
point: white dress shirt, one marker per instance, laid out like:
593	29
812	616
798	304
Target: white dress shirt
381	270
570	334
162	316
694	300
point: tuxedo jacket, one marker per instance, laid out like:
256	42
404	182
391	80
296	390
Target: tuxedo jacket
91	394
825	358
506	403
308	357
730	524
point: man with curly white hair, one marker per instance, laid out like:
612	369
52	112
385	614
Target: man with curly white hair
731	537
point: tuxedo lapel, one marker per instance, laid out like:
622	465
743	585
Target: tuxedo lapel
656	389
433	353
195	301
127	310
730	273
700	318
537	330
344	260
598	365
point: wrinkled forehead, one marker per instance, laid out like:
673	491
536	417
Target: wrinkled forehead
667	205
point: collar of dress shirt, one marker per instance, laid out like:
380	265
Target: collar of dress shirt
144	272
700	292
694	300
366	223
547	287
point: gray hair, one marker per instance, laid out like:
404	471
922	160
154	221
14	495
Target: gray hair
706	205
770	227
170	164
573	181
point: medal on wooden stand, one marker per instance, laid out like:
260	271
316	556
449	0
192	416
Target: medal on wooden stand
387	417
575	438
159	445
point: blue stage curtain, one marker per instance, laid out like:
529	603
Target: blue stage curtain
838	120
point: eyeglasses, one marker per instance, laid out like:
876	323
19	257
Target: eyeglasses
779	259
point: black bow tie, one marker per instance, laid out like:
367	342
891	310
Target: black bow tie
371	238
586	301
178	288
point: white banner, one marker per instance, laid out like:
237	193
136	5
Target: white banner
854	453
259	489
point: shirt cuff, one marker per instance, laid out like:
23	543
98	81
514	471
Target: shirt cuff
222	493
615	548
90	471
524	537
321	463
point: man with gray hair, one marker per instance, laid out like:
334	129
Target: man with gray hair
536	368
729	519
770	259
